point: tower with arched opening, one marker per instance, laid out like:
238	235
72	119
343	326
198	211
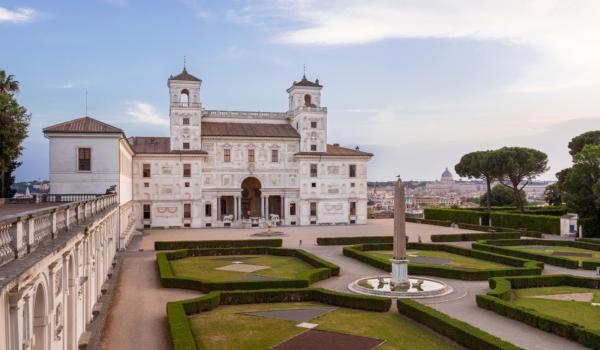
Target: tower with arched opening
185	111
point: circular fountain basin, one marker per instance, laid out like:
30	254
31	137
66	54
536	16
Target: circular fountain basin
420	287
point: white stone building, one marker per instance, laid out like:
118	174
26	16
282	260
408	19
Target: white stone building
217	168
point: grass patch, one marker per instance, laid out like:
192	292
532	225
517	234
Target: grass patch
579	312
280	267
455	260
550	250
213	329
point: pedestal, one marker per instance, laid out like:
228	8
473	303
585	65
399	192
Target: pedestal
399	274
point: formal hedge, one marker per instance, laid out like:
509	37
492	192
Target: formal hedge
454	215
174	245
461	237
498	300
459	331
322	269
502	246
520	266
353	240
540	223
430	222
182	337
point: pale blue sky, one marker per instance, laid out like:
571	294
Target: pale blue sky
418	83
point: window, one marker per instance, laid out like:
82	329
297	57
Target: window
313	148
227	155
352	184
251	155
85	159
187	210
353	208
313	125
313	184
352	170
187	170
146	211
186	145
186	121
187	184
146	184
307	102
208	209
313	208
313	170
184	97
292	208
146	170
274	156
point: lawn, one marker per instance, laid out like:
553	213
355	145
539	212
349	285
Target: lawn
550	250
579	312
454	260
280	267
225	328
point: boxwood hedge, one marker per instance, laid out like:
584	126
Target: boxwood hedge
173	245
182	337
540	223
322	269
498	300
502	246
519	266
454	215
460	237
459	331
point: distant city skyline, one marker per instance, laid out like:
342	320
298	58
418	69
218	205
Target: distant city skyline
416	84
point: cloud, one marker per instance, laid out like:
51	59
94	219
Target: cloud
19	15
565	33
142	112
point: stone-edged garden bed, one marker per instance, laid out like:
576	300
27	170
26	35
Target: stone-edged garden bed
232	263
566	305
564	253
497	265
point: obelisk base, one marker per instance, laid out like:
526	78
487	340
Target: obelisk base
399	275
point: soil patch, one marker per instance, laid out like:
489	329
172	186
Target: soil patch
321	340
587	297
426	260
242	267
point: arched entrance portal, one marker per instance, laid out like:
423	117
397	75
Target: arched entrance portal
40	325
251	198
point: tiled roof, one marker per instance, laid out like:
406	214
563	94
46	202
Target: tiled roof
248	130
83	125
306	82
184	75
156	145
337	151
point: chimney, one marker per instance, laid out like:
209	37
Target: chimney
336	145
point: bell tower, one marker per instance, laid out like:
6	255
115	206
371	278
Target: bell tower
185	112
307	115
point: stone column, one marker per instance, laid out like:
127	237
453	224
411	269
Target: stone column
218	208
399	262
267	207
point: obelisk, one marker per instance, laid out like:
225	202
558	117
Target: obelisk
399	262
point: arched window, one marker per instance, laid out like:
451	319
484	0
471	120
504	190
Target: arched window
307	102
184	97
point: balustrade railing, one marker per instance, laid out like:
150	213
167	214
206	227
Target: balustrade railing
21	233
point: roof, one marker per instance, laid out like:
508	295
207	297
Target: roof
157	145
446	173
185	76
248	130
336	150
306	82
83	125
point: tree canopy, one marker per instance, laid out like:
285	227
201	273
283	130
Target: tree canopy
582	184
480	165
502	196
587	138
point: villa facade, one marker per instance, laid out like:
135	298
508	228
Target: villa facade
217	168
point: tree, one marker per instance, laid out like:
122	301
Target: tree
479	165
587	138
552	194
582	184
518	166
14	120
501	196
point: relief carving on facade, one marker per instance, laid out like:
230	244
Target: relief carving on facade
166	211
333	208
58	281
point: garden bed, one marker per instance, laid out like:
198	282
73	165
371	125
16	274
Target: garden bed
471	264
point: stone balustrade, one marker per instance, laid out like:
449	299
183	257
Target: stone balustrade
21	233
245	114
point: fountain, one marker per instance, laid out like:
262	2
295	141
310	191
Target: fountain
399	284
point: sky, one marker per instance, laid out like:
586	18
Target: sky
418	83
